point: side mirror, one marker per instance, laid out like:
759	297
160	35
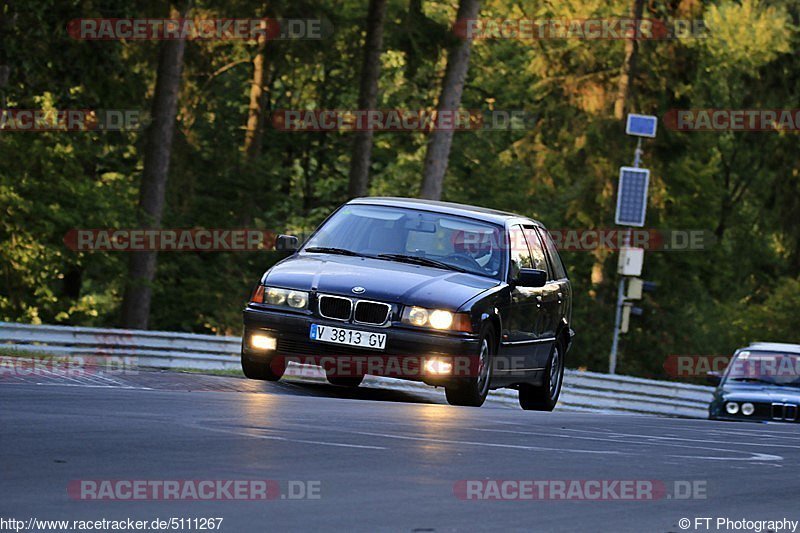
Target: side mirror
287	243
713	378
531	277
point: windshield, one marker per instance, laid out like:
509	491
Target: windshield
414	236
767	367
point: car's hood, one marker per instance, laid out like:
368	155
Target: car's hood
386	281
752	392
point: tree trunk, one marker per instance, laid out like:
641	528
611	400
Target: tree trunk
254	132
142	266
255	110
628	70
367	98
455	76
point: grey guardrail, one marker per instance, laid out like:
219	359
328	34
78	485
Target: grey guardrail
584	391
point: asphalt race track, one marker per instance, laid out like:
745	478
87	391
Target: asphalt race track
381	459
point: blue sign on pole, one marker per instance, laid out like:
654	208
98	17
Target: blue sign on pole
641	125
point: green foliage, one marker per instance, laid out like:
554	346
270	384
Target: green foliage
741	187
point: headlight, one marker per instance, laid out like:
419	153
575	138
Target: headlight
283	297
748	409
437	319
297	299
417	316
441	319
732	408
275	296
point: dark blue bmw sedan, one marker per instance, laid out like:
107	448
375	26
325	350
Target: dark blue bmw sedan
457	296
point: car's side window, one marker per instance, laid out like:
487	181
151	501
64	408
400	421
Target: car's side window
555	260
538	259
520	254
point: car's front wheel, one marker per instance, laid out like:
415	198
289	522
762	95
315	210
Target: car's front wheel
472	391
545	396
268	370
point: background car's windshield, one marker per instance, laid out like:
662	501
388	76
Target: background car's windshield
464	243
772	367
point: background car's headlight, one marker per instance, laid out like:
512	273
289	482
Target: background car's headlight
732	408
748	409
282	297
437	319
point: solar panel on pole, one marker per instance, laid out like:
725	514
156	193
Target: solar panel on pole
632	196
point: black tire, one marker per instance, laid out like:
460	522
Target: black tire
340	381
472	391
545	396
267	370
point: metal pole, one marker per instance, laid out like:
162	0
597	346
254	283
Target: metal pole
612	357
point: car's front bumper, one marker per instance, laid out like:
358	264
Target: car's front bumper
404	345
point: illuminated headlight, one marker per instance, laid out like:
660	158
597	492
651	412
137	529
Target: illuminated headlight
263	342
441	319
732	408
437	319
437	366
748	409
286	297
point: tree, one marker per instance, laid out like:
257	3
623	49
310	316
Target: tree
367	98
455	76
628	70
142	266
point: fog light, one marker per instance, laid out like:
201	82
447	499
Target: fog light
263	342
732	408
748	409
437	366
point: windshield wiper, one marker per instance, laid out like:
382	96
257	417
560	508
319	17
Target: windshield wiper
424	261
331	250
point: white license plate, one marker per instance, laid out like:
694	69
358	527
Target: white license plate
351	337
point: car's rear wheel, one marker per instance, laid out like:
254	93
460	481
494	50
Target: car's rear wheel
545	396
352	382
266	370
472	391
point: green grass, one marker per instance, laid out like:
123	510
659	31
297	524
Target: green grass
235	373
